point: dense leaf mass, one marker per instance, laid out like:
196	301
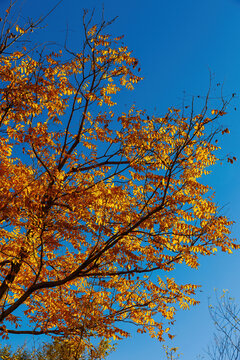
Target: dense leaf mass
97	205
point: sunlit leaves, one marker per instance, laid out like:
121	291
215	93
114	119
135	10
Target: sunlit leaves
94	200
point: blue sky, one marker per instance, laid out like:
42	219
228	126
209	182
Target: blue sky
178	43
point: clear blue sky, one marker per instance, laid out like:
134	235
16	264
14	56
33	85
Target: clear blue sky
177	43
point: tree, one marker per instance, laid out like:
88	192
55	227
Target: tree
171	353
225	315
97	205
57	350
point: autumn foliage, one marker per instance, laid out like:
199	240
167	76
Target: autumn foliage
97	206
